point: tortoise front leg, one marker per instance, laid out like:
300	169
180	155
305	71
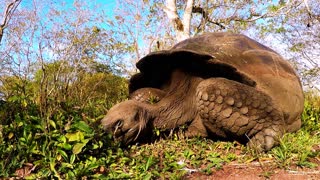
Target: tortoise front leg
147	95
196	128
234	110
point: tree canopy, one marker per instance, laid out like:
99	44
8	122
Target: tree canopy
119	33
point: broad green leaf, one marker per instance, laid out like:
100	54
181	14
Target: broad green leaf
59	157
148	176
72	158
65	146
83	126
20	124
52	164
63	154
77	148
36	151
10	135
95	146
24	103
77	136
31	176
53	124
38	127
45	172
62	139
68	165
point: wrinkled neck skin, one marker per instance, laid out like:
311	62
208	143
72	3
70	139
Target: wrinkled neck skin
178	106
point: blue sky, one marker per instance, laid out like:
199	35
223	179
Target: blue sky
108	5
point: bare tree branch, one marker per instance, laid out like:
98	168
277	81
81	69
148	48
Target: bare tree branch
307	6
10	8
200	10
256	16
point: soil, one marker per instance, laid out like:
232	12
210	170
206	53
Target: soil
259	171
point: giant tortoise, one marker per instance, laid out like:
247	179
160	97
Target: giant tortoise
219	85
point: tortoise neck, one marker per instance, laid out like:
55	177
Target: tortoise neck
178	106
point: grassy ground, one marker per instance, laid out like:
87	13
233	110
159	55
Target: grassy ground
80	150
176	159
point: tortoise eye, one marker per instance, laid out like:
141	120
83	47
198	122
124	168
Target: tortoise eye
136	117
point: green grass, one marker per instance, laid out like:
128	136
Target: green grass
74	147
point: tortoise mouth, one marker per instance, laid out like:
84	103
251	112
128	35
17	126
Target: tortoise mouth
155	69
128	136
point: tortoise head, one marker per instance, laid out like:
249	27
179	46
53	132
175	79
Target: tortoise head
126	121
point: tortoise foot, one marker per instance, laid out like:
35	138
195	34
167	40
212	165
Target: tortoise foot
196	129
265	139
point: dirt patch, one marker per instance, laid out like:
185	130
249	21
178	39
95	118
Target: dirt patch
258	171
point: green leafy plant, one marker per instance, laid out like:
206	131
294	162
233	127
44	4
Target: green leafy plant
71	145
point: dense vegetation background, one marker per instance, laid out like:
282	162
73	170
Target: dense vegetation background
64	64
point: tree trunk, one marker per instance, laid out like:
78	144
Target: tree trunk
182	27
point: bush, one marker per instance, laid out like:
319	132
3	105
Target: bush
51	127
311	113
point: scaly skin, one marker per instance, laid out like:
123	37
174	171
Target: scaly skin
228	108
147	95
